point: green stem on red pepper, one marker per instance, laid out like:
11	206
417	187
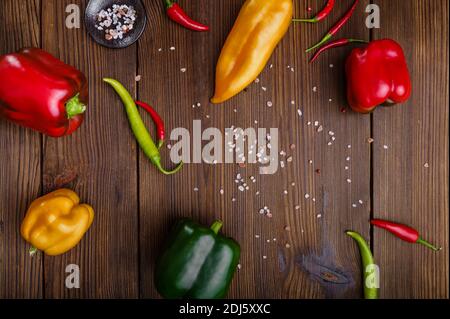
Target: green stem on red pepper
137	126
334	44
336	27
75	107
321	15
403	232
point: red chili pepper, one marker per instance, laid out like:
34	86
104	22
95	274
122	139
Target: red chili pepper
403	232
334	44
40	92
321	15
160	131
336	27
178	15
377	75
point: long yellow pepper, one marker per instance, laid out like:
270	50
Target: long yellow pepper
260	26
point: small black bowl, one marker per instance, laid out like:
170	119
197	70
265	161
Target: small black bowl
90	20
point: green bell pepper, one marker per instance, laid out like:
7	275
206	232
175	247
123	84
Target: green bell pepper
197	262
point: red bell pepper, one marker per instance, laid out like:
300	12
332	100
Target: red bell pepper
377	75
41	92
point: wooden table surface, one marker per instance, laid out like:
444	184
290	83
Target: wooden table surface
136	206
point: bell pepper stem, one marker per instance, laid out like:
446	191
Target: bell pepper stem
32	251
168	3
305	20
216	226
427	244
74	107
323	41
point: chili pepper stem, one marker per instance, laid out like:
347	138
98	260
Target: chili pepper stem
216	226
306	20
160	144
427	244
32	251
323	41
74	107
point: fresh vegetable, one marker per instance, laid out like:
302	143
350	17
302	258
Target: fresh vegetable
196	263
178	15
377	74
333	44
260	26
370	275
41	92
160	131
56	222
321	15
403	232
338	26
137	126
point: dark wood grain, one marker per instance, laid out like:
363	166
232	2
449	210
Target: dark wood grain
102	158
416	134
298	253
20	165
318	248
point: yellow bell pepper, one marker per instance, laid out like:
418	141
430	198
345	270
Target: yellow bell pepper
259	28
56	222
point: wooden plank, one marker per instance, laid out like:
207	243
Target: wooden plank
321	260
416	133
101	158
20	165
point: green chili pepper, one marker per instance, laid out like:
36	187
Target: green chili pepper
137	126
370	274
